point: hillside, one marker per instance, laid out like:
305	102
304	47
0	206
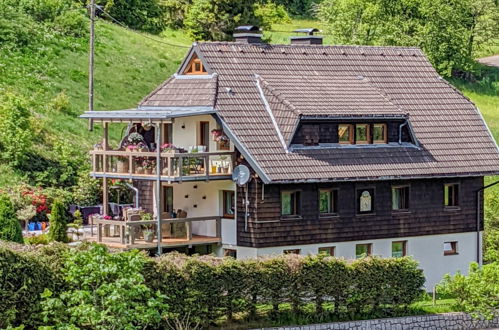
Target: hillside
128	66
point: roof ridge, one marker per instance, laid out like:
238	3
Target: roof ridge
305	46
278	95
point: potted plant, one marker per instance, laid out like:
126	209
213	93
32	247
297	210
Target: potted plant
135	138
148	228
131	147
148	165
122	165
216	133
167	147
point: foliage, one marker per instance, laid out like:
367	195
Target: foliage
450	32
217	19
299	8
174	12
10	229
491	222
104	291
58	223
16	137
42	239
23	277
477	292
144	15
271	13
87	190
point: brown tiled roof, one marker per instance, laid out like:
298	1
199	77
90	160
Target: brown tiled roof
183	91
301	80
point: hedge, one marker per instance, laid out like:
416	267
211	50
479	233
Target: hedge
207	289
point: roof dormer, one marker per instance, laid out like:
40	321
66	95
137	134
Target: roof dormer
195	66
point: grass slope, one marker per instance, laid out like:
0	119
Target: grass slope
128	67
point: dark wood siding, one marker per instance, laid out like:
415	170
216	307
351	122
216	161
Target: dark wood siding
427	216
310	133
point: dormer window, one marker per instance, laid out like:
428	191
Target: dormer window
380	134
345	133
362	133
195	67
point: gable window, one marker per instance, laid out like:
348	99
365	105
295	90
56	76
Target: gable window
451	195
327	250
362	134
228	204
399	249
345	133
365	201
328	201
400	198
450	248
290	203
380	134
195	66
363	250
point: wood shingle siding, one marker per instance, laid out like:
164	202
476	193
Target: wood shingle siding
426	216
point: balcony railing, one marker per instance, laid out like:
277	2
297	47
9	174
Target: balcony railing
174	232
173	165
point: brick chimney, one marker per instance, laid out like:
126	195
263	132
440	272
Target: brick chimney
248	34
308	39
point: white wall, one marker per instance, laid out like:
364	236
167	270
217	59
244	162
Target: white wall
427	250
211	206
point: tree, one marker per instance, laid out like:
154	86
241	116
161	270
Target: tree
217	19
449	31
58	223
10	229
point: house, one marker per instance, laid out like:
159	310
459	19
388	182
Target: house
352	151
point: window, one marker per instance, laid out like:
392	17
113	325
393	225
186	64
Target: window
345	134
400	198
362	134
363	250
230	253
195	66
380	133
290	203
450	248
365	201
399	249
204	134
228	204
327	250
292	251
451	195
328	201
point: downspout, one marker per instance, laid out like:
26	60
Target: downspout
400	130
478	195
136	194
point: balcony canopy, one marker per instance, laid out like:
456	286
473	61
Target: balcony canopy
147	113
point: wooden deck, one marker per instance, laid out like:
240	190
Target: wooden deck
115	242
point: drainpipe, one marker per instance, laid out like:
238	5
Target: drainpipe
400	131
478	195
136	194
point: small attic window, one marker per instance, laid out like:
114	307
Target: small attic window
195	66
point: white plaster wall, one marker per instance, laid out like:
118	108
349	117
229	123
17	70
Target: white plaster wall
427	250
185	137
211	206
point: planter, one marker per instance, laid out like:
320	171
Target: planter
148	236
122	166
148	171
165	171
31	226
38	225
44	225
139	170
226	170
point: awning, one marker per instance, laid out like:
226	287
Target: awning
147	113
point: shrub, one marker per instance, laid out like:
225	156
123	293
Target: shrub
37	240
23	277
476	293
104	291
58	223
270	13
10	229
87	191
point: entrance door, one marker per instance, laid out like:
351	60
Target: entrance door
204	134
168	200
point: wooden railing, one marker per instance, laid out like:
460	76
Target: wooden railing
173	165
178	230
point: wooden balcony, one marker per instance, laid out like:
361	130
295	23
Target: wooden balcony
177	232
173	166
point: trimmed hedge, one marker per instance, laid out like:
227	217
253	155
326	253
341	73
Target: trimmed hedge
207	289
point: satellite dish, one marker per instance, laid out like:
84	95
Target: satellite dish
241	175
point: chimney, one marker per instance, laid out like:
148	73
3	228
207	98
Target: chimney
308	39
248	34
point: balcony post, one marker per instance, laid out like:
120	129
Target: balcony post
105	196
219	227
104	146
158	185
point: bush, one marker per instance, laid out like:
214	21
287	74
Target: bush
104	291
42	239
87	191
10	229
476	293
58	223
270	13
23	277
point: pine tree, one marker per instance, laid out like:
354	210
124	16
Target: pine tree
10	229
58	223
